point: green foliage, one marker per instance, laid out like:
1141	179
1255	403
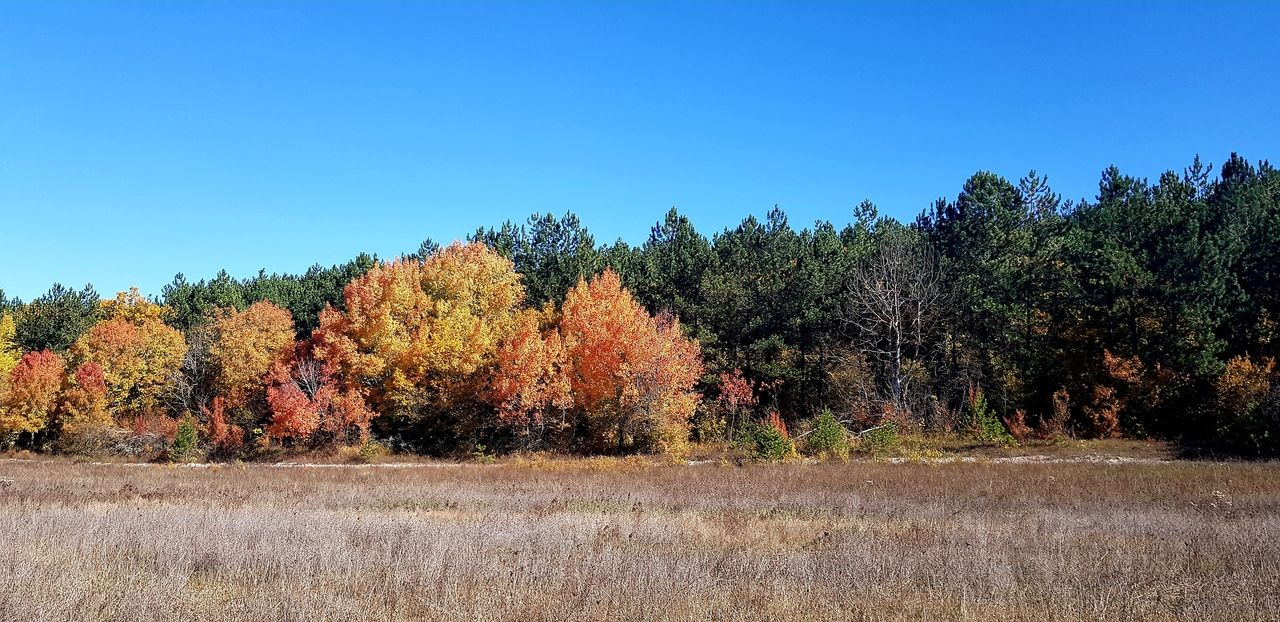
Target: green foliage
764	442
185	441
303	295
550	253
372	451
55	320
828	438
481	454
1172	277
880	440
984	423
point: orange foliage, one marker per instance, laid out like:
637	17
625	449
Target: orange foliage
305	399
138	354
247	344
84	400
420	335
632	375
1127	383
774	420
226	438
31	395
529	377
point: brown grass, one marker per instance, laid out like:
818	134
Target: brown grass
629	540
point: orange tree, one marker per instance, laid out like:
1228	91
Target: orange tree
30	396
137	352
419	339
631	376
245	346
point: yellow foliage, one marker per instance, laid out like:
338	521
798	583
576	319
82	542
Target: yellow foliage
10	353
134	308
138	354
418	333
1244	384
247	344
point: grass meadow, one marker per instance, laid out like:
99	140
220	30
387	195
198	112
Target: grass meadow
617	539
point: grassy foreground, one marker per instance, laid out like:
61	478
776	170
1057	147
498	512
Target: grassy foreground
630	539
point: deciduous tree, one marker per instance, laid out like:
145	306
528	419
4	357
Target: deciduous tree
31	397
632	376
245	347
138	354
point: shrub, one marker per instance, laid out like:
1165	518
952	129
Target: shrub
1056	425
1018	427
880	440
828	437
184	441
984	422
1247	405
764	441
371	451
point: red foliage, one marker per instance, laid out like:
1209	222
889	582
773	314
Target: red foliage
736	393
774	420
32	393
225	437
305	399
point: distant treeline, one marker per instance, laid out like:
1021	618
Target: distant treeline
1150	310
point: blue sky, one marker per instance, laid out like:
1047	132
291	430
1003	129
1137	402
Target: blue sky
138	140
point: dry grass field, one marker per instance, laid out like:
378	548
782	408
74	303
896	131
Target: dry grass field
629	540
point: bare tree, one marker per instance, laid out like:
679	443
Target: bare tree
191	386
893	298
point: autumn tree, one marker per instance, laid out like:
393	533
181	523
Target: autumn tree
10	353
308	404
83	406
529	387
631	376
137	352
30	398
245	346
420	338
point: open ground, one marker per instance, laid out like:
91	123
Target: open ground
632	539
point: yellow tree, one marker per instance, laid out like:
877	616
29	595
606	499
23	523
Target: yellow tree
631	375
245	347
137	352
9	350
421	335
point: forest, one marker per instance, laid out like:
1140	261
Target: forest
1003	314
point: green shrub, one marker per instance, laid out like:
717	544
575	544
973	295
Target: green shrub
185	441
765	442
880	440
481	454
828	438
984	422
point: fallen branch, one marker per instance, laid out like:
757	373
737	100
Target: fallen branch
843	423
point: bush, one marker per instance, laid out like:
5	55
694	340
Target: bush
766	442
828	438
185	441
984	423
880	440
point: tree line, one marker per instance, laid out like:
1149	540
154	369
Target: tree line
1149	310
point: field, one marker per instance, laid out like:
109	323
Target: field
633	539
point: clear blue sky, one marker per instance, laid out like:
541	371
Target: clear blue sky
138	140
